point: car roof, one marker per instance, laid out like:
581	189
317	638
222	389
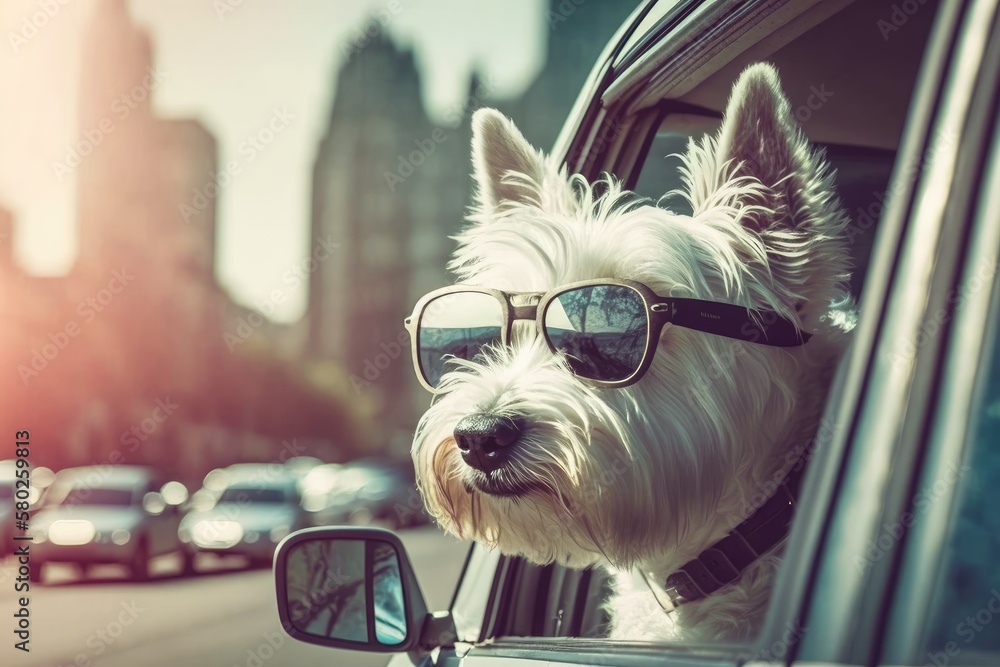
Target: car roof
106	475
257	473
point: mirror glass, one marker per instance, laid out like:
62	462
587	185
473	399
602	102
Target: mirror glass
390	620
335	586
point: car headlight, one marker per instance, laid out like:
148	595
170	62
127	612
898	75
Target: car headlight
121	536
72	533
218	534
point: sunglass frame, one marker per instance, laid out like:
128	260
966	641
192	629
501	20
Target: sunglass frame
714	317
658	311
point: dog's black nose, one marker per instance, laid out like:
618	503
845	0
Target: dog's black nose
486	441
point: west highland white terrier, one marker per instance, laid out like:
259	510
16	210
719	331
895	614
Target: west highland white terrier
622	386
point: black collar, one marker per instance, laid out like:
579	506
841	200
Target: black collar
724	562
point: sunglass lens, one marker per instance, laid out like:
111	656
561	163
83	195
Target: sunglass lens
456	326
602	329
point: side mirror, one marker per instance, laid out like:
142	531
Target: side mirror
351	588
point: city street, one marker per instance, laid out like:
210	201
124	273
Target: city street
223	617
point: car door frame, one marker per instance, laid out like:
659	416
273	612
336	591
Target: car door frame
972	326
918	251
954	377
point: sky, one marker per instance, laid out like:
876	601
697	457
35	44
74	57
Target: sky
234	65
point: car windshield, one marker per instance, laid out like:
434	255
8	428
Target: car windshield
83	495
253	494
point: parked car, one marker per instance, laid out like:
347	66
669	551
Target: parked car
105	514
363	493
892	557
246	510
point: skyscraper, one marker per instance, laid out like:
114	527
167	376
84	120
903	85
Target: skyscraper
115	139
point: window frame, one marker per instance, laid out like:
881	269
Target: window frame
886	433
971	333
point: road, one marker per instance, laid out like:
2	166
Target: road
223	617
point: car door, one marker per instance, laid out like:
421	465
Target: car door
826	609
914	579
945	600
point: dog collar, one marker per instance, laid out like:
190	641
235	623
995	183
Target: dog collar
724	562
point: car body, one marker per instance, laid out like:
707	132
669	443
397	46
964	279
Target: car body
104	514
362	493
895	539
244	510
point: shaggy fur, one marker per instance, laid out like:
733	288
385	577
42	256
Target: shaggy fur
642	479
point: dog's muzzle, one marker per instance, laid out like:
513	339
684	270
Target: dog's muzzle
486	441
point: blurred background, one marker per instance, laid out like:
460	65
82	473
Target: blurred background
214	216
231	206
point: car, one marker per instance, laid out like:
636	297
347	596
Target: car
94	515
892	555
363	492
9	497
245	510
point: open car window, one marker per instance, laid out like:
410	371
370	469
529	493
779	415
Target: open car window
84	495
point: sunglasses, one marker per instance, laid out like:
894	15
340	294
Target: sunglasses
607	329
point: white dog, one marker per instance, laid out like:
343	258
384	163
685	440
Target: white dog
639	421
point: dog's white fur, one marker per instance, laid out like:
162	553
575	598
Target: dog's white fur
645	478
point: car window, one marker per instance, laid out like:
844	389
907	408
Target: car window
660	175
252	494
965	623
82	495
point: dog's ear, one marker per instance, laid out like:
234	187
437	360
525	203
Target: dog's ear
764	167
505	166
760	138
